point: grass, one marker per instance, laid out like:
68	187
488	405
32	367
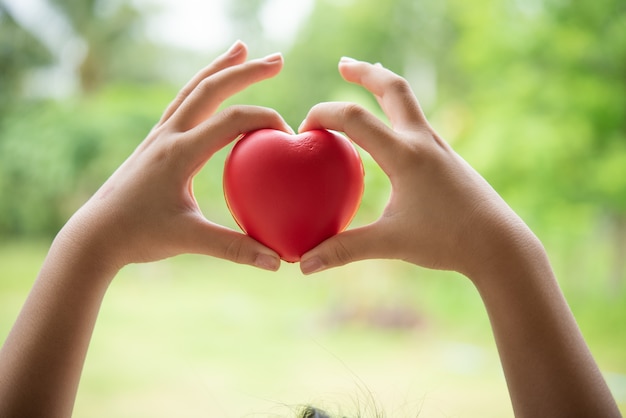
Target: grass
199	337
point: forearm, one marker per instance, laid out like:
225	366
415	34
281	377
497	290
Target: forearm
42	358
548	367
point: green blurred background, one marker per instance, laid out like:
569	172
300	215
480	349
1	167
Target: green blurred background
531	92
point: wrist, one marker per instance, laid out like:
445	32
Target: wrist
84	249
508	251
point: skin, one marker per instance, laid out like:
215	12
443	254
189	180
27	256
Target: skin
441	214
145	211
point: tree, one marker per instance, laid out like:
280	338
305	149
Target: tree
546	91
585	93
113	36
55	152
20	52
533	94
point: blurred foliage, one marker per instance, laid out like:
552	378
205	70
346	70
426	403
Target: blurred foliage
54	155
19	52
115	46
531	92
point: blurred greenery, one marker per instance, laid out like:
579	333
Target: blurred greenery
531	92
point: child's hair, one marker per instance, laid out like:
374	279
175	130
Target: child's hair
312	412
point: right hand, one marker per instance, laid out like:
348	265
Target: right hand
441	213
146	210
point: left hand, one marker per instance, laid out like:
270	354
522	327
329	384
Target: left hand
441	213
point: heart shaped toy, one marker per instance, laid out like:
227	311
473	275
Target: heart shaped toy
291	192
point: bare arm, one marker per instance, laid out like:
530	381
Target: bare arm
145	211
443	215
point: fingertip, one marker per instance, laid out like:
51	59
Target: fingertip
347	61
302	126
236	54
274	58
309	125
236	49
289	129
267	262
272	63
347	247
310	264
350	71
353	70
312	120
281	124
309	122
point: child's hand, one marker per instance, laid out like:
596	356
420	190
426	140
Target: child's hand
146	210
441	213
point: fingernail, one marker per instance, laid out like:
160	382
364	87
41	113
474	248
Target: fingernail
235	49
267	262
347	60
379	65
273	57
312	265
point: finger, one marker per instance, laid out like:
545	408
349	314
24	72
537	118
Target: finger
360	125
221	129
209	94
392	92
218	241
371	241
236	54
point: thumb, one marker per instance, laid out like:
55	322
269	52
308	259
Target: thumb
231	245
352	245
246	250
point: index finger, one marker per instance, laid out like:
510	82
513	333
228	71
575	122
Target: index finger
236	54
394	94
209	94
360	125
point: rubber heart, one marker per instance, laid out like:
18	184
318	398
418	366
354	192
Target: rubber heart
291	192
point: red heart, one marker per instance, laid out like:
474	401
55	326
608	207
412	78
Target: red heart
291	192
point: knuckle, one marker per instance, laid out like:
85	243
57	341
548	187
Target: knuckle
235	250
341	253
163	151
245	116
398	85
235	113
352	112
206	86
410	154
